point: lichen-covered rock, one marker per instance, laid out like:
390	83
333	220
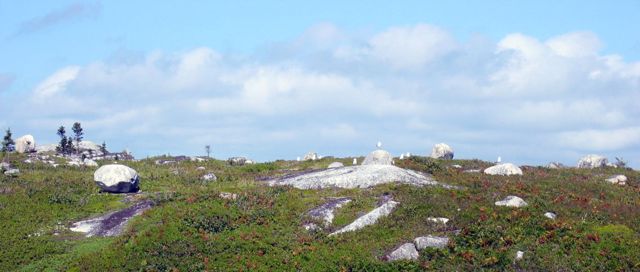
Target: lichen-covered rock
25	144
442	151
556	165
512	201
335	165
110	224
369	218
117	178
439	220
617	179
378	157
46	148
592	161
363	176
431	241
12	172
325	211
311	156
90	163
209	177
406	251
237	161
505	169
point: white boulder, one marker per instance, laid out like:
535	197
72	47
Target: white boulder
117	178
12	172
550	215
209	177
311	156
617	179
442	151
592	161
378	157
406	251
512	201
519	255
25	144
440	220
335	165
90	163
505	169
431	241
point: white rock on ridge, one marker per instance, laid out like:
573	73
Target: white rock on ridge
505	169
88	145
350	177
512	201
555	165
46	148
378	157
117	178
550	215
25	144
237	160
617	179
311	156
369	218
335	165
592	161
406	251
442	151
431	241
440	220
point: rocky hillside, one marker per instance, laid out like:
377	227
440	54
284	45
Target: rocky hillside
415	214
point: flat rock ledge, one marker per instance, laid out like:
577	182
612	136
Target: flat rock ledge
360	176
111	224
369	218
325	212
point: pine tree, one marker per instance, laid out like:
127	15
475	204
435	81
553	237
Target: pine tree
77	131
69	148
62	146
103	148
207	148
8	145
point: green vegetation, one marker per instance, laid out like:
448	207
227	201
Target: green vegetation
193	229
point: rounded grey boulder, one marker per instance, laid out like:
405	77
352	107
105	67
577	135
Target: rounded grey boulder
117	178
442	151
592	161
378	157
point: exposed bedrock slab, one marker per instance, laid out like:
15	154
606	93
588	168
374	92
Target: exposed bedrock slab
369	218
110	224
361	176
325	212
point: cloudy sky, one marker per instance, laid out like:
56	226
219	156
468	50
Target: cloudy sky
531	82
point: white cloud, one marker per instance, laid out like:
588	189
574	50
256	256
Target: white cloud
55	83
406	84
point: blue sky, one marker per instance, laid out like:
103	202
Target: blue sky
531	81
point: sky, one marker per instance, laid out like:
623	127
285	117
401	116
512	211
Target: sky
530	81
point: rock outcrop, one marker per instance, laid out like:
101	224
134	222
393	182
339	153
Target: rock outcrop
512	201
378	157
369	218
617	179
442	151
117	178
406	251
431	241
25	144
335	165
110	224
592	161
505	169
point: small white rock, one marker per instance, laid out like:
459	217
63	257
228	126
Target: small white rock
550	215
441	220
505	169
406	251
617	179
519	255
512	201
431	241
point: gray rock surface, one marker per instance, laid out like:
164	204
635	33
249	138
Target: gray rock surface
512	201
25	144
237	160
504	169
556	165
617	179
550	215
12	172
311	156
592	161
378	157
363	176
46	148
4	166
335	165
90	163
110	224
442	151
369	218
406	251
431	241
117	178
325	211
209	177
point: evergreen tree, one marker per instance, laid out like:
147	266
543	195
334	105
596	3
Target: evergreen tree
62	146
103	148
8	145
207	148
69	149
77	131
